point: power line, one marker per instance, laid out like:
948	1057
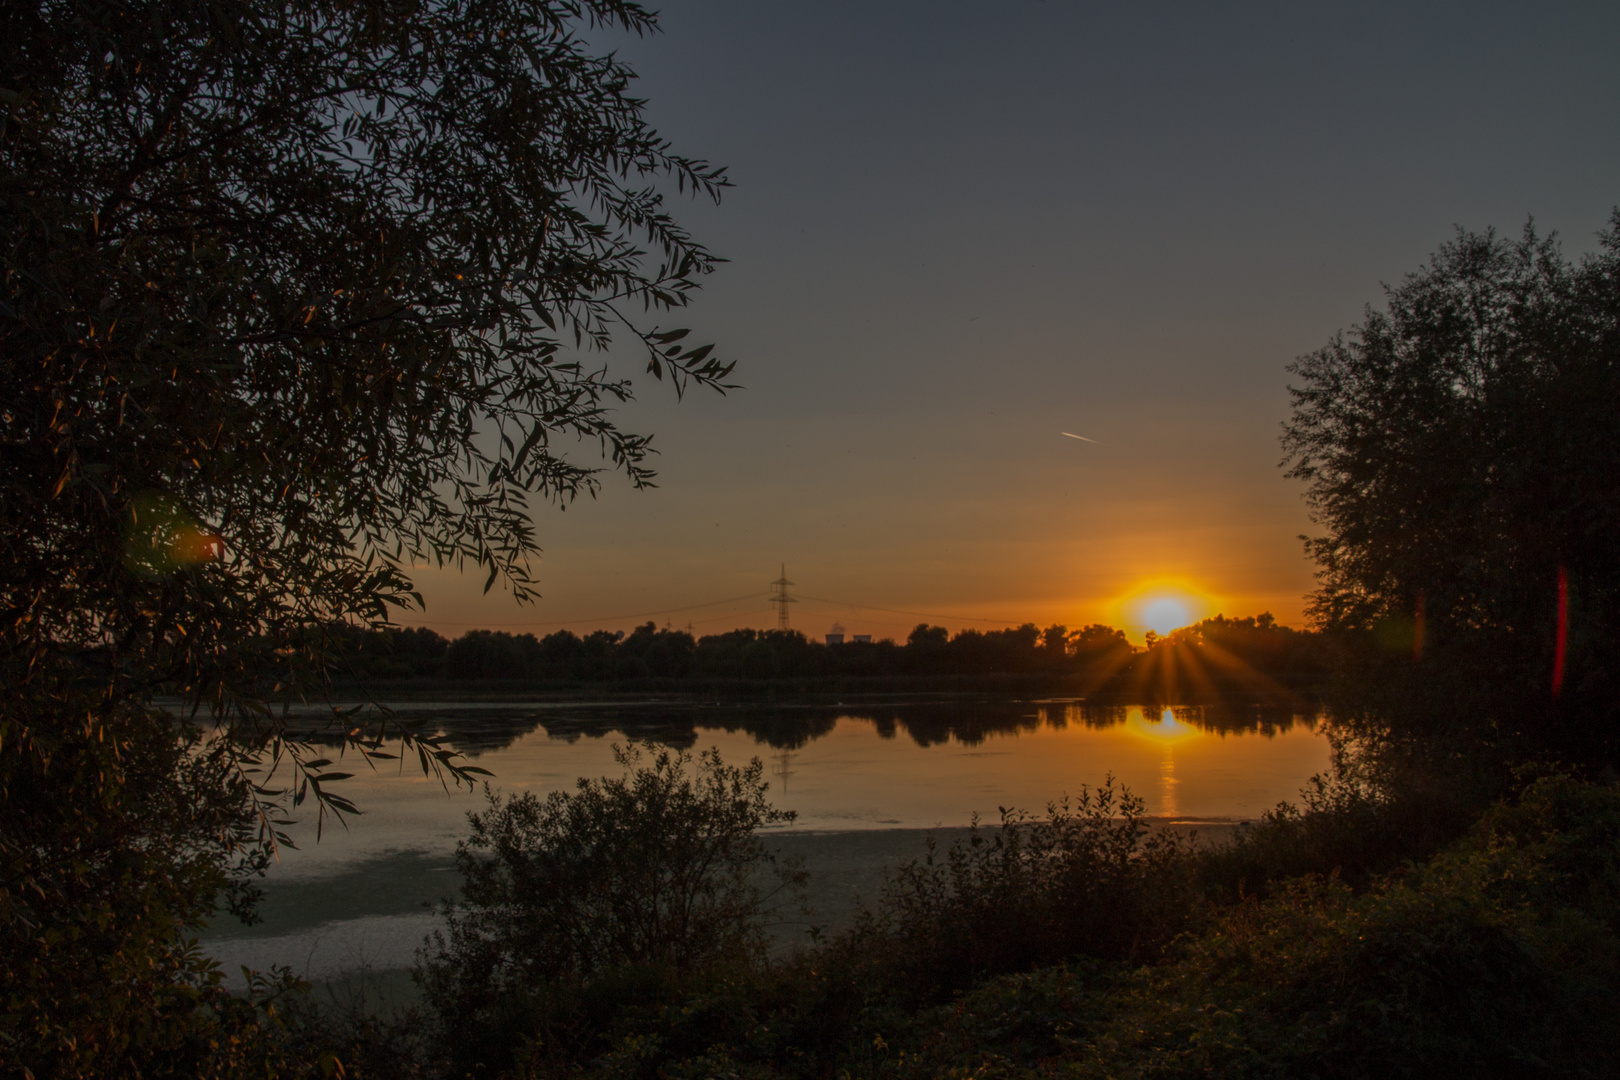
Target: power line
778	598
902	611
726	615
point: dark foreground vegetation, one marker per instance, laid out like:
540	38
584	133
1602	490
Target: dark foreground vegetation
1367	933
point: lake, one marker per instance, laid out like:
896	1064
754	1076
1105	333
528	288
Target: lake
866	779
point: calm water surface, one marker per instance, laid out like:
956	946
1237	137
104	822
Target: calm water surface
866	779
896	765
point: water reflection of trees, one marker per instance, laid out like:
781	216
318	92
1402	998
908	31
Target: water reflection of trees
790	726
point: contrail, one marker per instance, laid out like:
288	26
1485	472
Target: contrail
1082	438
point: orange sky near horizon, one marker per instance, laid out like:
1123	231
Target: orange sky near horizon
455	603
879	546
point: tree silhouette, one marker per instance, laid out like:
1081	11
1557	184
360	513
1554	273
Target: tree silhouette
293	296
1461	456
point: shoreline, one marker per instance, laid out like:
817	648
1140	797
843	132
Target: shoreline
356	932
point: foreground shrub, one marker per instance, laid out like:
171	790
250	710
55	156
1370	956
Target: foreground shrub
1337	828
581	905
118	836
1498	958
1080	945
1091	879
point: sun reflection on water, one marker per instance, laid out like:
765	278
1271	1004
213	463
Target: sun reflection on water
1164	728
1168	732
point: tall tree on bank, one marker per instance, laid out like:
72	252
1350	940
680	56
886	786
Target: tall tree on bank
295	296
1461	454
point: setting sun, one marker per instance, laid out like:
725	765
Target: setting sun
1163	614
1162	606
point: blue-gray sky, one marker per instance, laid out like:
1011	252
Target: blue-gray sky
960	229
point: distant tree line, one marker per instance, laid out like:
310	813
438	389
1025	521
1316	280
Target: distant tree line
1220	649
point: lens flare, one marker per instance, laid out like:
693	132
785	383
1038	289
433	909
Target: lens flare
161	536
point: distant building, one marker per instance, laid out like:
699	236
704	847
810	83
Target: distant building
863	639
835	639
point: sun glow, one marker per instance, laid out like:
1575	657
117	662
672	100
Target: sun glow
1162	606
1165	613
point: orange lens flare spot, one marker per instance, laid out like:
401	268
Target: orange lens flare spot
162	536
189	546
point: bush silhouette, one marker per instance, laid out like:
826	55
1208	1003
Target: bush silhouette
579	904
1091	879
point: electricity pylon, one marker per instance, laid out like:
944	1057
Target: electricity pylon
781	599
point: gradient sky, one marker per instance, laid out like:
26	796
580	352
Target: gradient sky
962	228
